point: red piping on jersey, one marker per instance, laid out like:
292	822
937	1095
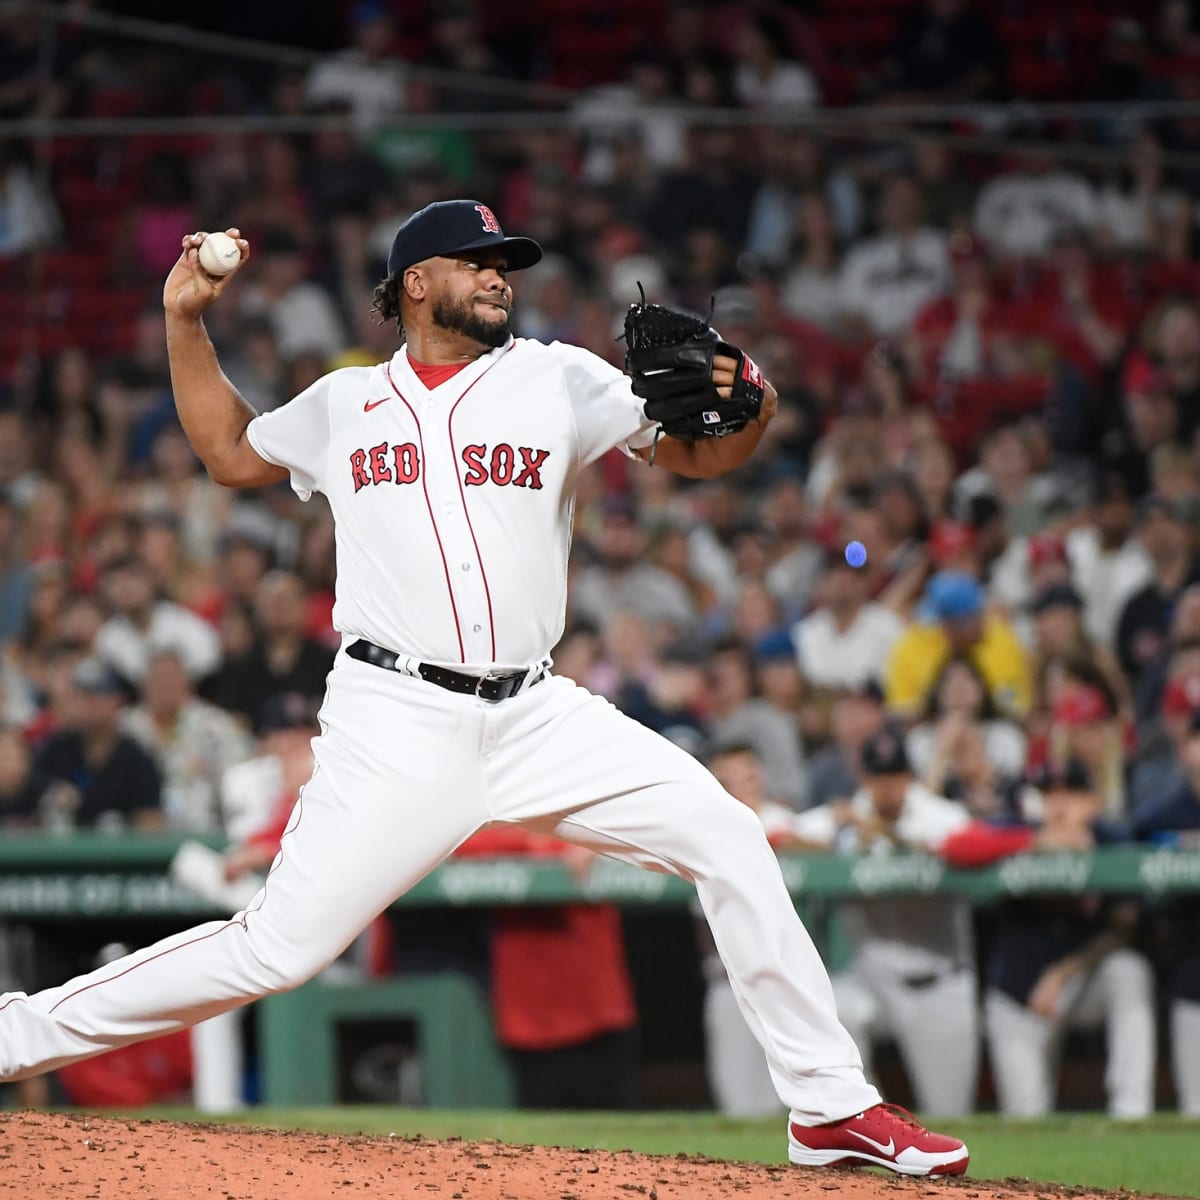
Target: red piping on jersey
462	654
487	591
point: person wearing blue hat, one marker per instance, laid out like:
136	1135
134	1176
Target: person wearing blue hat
952	619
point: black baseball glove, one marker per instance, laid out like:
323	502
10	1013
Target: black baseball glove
669	355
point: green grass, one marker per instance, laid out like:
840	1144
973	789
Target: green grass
1160	1156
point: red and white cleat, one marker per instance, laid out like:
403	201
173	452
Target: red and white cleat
884	1136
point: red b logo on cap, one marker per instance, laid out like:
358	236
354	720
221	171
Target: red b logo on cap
490	224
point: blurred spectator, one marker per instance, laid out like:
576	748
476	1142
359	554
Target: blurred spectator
1165	533
886	279
141	623
254	365
1175	352
782	685
668	550
738	713
1149	420
795	558
19	478
952	621
911	975
244	558
1059	962
949	192
962	749
765	75
1172	818
1159	767
23	789
278	199
1007	471
193	742
943	50
1107	563
804	208
811	287
459	43
108	779
1136	204
147	244
642	106
622	579
1177	657
1057	612
301	313
366	76
711	191
281	658
47	602
1020	212
1086	728
671	701
842	643
29	219
931	465
857	714
15	575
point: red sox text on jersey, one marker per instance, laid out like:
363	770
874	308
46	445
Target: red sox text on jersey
401	463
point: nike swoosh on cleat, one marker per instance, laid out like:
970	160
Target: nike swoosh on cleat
888	1148
370	404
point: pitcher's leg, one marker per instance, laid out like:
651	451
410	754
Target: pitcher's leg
626	791
698	831
366	828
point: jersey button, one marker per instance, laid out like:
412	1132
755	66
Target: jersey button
477	628
466	566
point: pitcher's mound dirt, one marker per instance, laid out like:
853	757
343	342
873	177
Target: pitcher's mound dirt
99	1158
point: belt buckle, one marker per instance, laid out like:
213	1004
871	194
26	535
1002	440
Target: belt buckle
491	677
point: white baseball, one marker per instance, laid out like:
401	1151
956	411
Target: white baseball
219	254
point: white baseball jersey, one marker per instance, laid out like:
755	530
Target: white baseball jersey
453	506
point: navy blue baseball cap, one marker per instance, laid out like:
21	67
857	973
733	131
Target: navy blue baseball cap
449	227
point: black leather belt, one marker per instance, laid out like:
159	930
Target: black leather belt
492	686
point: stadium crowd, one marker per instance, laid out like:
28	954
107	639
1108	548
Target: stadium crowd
989	371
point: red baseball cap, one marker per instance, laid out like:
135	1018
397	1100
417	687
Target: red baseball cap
1182	696
1046	547
1081	706
948	539
1140	375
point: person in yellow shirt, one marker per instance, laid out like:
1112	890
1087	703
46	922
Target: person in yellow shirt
952	620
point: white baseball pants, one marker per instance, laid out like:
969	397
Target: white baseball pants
1023	1046
404	772
1185	1055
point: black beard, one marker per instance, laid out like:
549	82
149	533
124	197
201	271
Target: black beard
461	317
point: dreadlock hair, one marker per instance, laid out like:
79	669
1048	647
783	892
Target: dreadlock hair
386	301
